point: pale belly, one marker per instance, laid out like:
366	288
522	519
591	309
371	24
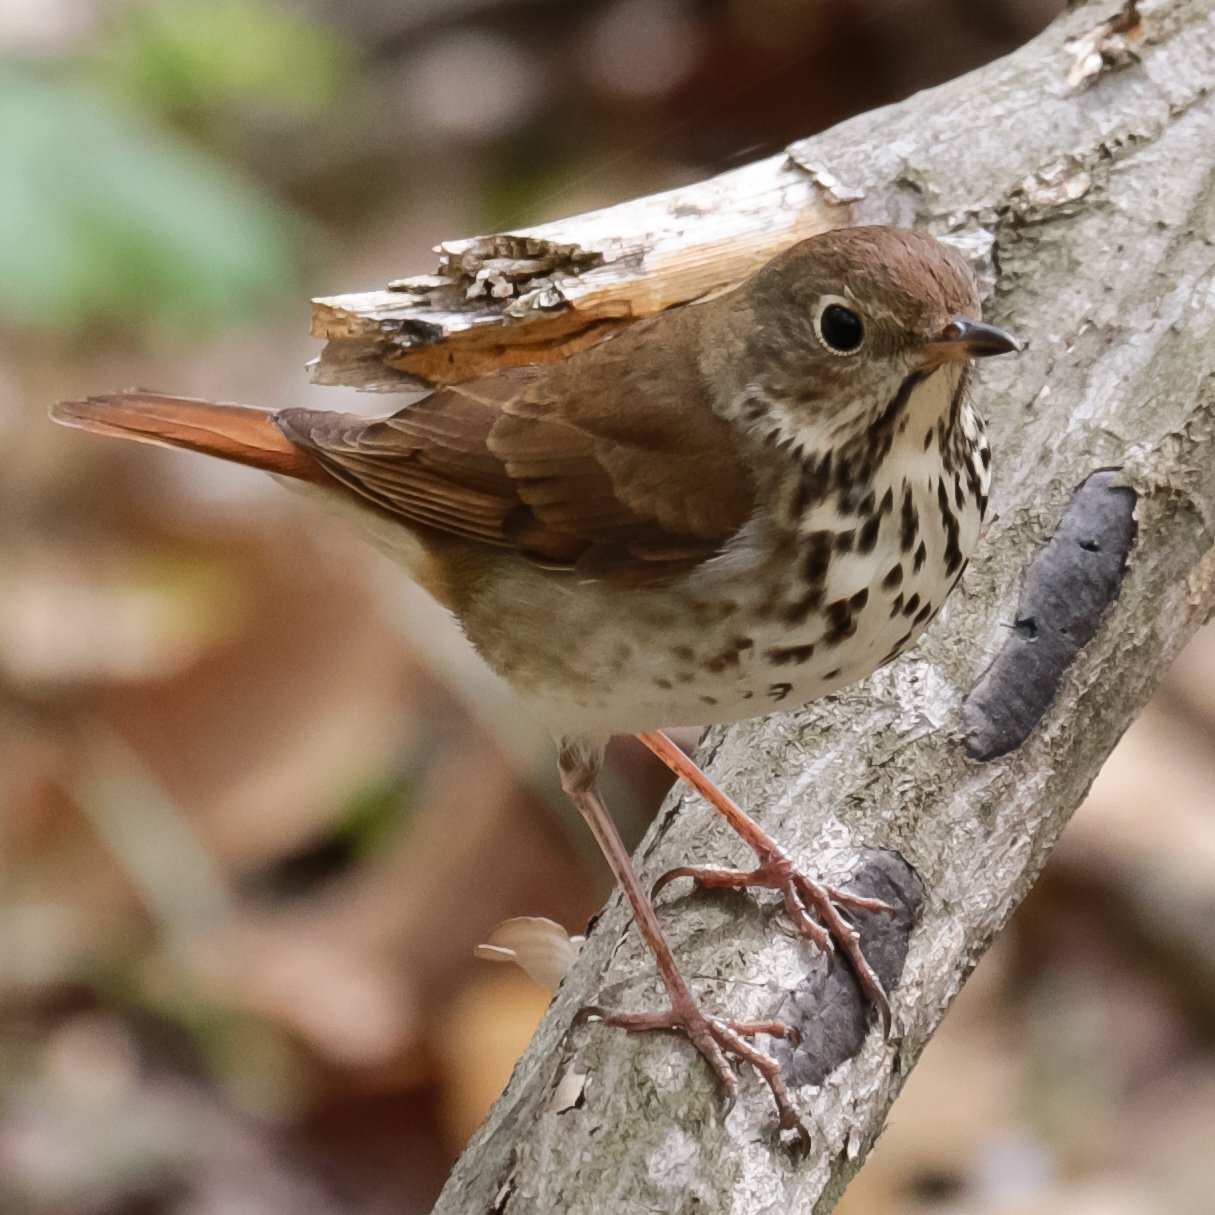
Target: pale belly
746	635
777	620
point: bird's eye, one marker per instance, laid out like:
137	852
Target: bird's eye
840	329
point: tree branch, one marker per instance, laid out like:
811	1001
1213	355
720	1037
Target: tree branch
945	780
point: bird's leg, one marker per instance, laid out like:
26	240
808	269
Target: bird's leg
715	1038
813	907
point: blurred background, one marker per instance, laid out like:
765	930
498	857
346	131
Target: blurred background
257	806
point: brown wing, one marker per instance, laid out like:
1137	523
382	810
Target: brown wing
611	463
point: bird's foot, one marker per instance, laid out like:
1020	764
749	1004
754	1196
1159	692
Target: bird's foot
815	910
718	1040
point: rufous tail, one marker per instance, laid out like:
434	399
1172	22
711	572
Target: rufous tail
241	433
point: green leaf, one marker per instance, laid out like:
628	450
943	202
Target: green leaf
106	218
189	58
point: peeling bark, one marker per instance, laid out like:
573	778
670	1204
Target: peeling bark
1089	206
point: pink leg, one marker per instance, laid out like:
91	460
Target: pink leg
716	1039
812	906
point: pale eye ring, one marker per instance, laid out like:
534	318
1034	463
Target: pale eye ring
838	326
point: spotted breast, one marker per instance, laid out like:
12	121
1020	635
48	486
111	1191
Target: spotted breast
856	552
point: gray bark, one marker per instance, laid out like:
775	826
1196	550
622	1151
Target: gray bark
945	780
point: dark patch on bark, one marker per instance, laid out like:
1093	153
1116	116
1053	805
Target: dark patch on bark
505	1189
1068	587
828	1009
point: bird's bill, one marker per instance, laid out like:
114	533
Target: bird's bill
962	340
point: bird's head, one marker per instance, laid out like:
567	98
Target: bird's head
845	325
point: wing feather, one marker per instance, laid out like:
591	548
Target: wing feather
597	464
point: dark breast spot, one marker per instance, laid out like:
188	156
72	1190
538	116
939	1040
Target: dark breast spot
841	624
798	612
783	655
953	553
812	486
867	540
912	606
815	482
921	555
778	691
729	657
816	562
894	578
909	521
943	501
856	497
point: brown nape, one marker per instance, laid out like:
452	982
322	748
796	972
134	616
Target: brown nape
240	433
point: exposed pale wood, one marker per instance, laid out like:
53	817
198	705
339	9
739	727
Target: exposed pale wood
1092	207
541	292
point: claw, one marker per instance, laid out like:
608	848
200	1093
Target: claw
824	901
816	911
667	878
718	1041
856	902
803	1135
774	1029
709	877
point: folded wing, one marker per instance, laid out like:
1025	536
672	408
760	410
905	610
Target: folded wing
603	464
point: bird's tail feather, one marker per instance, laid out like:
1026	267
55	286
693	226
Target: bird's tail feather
241	433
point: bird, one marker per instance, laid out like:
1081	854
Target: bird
729	508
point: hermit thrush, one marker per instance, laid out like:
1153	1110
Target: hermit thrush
729	508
